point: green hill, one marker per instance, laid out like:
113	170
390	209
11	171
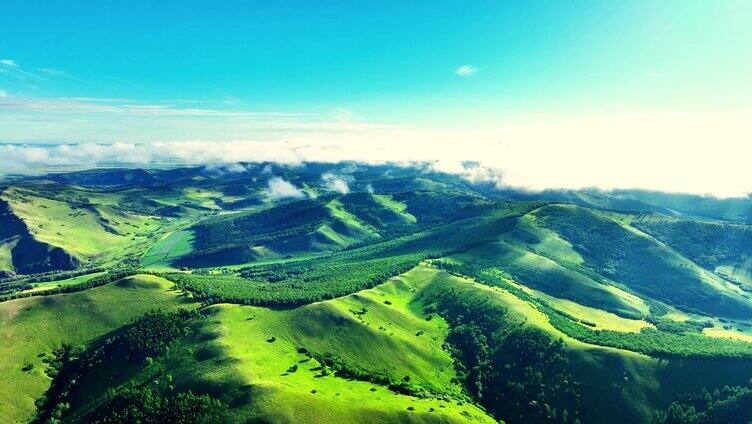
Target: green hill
32	327
642	264
414	297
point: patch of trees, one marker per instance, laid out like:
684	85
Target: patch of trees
149	405
707	243
517	372
676	343
23	282
433	208
376	215
294	285
729	405
148	336
256	228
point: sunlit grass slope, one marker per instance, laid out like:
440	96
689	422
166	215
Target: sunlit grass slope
170	246
84	231
544	274
391	339
31	327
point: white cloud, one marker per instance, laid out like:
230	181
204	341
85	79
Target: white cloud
335	183
698	152
466	70
224	168
282	189
9	62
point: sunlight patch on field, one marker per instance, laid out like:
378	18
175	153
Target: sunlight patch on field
732	334
169	247
603	320
739	271
67	282
6	259
400	208
84	231
542	240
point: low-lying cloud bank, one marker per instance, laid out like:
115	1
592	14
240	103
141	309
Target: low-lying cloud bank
624	161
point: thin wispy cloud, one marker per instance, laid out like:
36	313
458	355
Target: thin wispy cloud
27	116
13	69
3	93
53	72
466	70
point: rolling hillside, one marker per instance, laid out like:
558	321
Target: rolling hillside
411	296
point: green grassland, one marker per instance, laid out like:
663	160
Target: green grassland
642	264
84	231
32	327
416	297
169	247
245	346
546	275
399	208
381	342
598	318
6	260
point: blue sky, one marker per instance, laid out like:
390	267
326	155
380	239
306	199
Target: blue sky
148	72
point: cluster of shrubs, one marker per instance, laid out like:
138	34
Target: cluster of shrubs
149	405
